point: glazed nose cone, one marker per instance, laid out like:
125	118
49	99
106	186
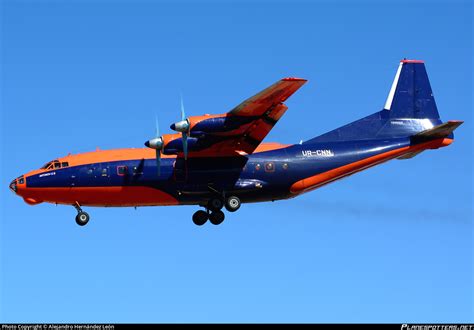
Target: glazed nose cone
13	186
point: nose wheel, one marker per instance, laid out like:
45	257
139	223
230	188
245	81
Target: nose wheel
82	218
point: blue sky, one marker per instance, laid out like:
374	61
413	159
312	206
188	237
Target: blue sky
391	244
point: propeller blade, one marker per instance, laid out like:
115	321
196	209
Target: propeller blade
183	115
185	145
158	161
184	134
157	127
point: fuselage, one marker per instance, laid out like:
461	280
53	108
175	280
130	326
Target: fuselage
129	177
220	161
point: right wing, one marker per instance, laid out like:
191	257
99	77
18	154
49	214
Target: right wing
277	93
241	130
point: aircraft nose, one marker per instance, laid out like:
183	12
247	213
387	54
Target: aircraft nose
18	185
13	186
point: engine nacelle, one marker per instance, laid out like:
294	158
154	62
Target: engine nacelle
174	145
200	125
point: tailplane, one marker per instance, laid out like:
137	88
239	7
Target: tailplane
441	131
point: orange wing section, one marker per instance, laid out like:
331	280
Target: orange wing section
277	93
267	107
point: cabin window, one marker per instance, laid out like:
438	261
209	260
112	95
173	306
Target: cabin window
258	167
104	172
64	164
269	167
285	166
122	170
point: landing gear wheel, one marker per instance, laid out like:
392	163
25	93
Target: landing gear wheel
215	204
217	217
232	204
82	218
200	217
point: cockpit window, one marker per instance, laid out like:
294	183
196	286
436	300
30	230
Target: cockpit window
46	166
54	164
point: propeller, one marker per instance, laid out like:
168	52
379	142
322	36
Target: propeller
157	144
183	127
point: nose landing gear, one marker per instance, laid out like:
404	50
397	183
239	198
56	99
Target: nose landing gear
82	218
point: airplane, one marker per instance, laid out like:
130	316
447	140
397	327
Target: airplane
220	161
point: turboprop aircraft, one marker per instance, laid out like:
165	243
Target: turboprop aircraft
220	161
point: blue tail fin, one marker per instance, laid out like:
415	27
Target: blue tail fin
410	108
411	95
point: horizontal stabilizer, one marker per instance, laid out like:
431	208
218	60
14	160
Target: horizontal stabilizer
410	155
437	132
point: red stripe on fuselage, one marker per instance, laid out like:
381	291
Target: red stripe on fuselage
99	196
321	179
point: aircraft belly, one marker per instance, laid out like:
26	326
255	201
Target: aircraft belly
104	196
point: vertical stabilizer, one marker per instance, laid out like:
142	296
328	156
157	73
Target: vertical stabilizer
411	95
410	108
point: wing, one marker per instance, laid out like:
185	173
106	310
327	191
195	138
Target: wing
277	93
241	130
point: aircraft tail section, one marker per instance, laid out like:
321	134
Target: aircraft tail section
411	95
410	109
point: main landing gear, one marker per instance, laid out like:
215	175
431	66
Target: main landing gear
82	218
213	211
